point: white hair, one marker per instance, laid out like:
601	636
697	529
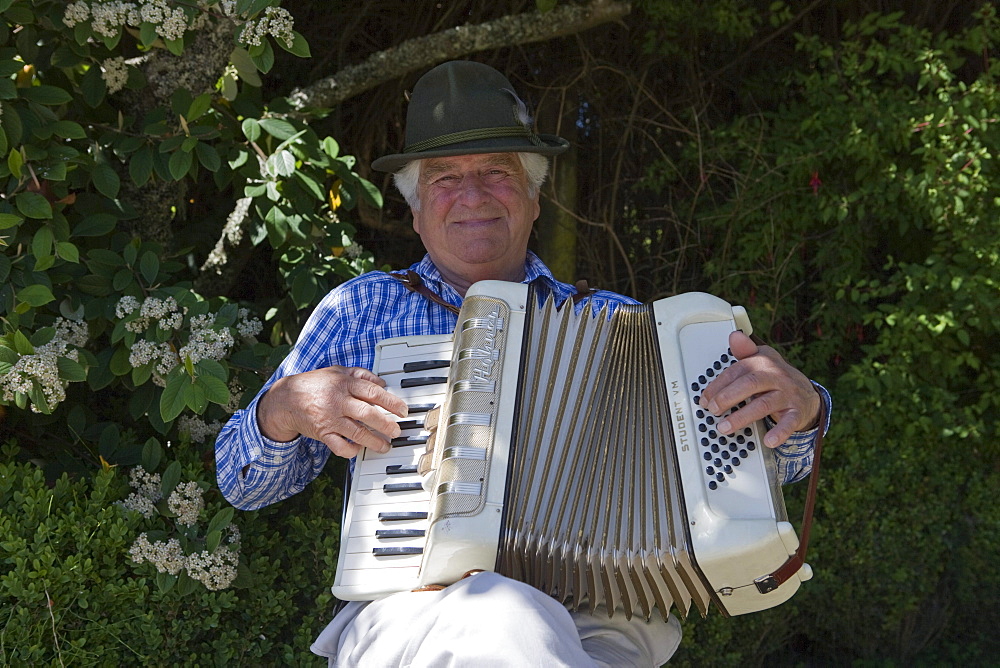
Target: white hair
536	168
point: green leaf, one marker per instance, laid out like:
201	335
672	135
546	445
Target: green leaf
22	345
35	295
93	87
278	128
140	166
14	162
106	180
245	66
281	163
215	389
172	399
47	95
371	193
251	129
68	130
170	478
149	266
71	370
33	205
208	156
147	33
120	366
220	520
8	220
180	163
41	243
263	56
152	453
298	47
211	368
331	147
95	225
199	106
194	397
68	251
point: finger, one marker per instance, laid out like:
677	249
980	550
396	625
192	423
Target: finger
742	345
376	395
756	409
364	374
355	432
781	431
342	447
373	417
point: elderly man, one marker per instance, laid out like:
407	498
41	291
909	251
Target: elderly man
471	173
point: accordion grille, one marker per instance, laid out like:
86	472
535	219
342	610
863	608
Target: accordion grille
594	514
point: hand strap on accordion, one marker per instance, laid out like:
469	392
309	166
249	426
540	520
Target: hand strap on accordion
411	281
795	562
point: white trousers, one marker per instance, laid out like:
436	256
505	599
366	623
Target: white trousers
489	620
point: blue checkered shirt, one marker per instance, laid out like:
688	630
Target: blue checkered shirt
254	471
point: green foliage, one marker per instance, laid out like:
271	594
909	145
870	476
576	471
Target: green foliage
129	147
71	596
100	155
858	221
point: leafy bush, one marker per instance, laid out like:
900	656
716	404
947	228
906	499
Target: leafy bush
859	222
71	595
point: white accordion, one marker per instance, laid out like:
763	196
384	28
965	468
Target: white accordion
570	453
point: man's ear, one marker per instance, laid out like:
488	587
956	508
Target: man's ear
416	220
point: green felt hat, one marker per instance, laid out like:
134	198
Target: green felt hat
461	108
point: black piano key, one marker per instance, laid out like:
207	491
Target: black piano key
396	551
400	515
392	487
426	365
398	469
407	440
411	424
399	533
420	408
422	381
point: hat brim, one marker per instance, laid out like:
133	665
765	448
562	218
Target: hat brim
553	145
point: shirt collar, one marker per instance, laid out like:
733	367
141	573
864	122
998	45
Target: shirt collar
534	268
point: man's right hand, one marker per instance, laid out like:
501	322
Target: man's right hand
336	405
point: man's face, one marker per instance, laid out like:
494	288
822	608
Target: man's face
475	216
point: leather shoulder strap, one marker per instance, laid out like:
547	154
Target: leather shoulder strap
412	281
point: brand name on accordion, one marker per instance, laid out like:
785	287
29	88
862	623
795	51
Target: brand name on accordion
680	417
487	353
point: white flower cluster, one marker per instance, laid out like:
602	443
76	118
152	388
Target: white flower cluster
115	74
167	556
216	570
248	327
42	366
186	502
276	22
205	342
108	16
165	312
147	492
197	429
146	352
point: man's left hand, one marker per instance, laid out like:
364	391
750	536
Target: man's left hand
769	385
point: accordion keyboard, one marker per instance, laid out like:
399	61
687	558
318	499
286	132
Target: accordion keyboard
386	514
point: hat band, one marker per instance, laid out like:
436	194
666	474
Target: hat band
471	135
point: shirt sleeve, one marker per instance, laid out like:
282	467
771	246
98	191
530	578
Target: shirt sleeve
254	471
794	457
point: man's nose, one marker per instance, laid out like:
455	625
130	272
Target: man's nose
473	188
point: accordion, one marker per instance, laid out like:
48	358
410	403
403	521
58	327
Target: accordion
568	451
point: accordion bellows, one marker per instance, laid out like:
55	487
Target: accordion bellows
571	454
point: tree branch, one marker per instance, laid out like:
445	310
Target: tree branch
428	50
